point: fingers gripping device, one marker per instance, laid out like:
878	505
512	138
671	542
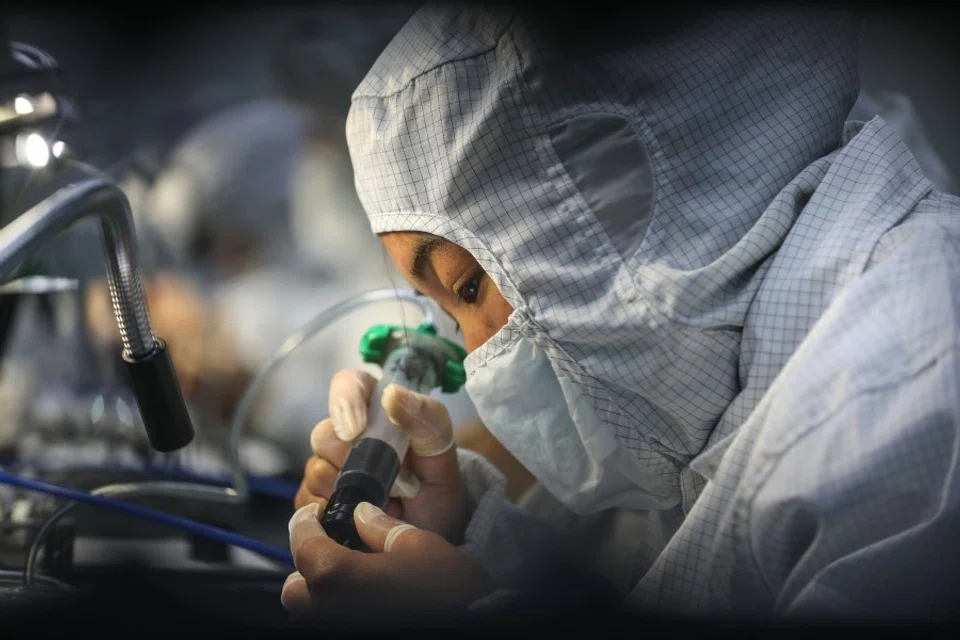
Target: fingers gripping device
417	359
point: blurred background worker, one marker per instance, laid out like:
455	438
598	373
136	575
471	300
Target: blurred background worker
242	191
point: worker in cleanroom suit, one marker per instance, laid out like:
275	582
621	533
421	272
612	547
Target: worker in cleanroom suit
716	321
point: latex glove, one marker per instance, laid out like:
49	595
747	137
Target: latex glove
407	569
429	492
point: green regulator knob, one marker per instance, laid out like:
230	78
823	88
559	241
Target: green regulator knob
381	340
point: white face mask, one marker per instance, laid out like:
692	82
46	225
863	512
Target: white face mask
544	420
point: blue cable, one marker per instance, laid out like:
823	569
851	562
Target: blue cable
258	484
185	524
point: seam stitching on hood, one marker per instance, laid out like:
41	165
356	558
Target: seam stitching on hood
409	83
548	123
652	149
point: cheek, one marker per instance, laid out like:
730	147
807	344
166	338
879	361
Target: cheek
486	323
473	338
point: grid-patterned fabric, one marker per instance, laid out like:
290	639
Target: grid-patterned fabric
789	313
839	492
449	134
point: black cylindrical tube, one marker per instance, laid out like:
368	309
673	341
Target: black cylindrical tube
164	412
367	476
8	315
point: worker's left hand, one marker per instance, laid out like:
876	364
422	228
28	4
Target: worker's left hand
407	569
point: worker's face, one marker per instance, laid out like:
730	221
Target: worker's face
449	275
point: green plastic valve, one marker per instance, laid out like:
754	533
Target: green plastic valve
382	339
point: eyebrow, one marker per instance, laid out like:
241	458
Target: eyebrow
423	252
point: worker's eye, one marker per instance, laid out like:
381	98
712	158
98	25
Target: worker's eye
470	291
457	328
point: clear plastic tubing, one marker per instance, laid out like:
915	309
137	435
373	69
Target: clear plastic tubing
407	367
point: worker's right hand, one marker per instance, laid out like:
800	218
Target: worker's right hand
429	492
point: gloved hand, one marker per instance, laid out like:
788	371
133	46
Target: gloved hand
429	492
408	570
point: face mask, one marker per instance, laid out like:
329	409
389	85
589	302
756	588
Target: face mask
544	420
